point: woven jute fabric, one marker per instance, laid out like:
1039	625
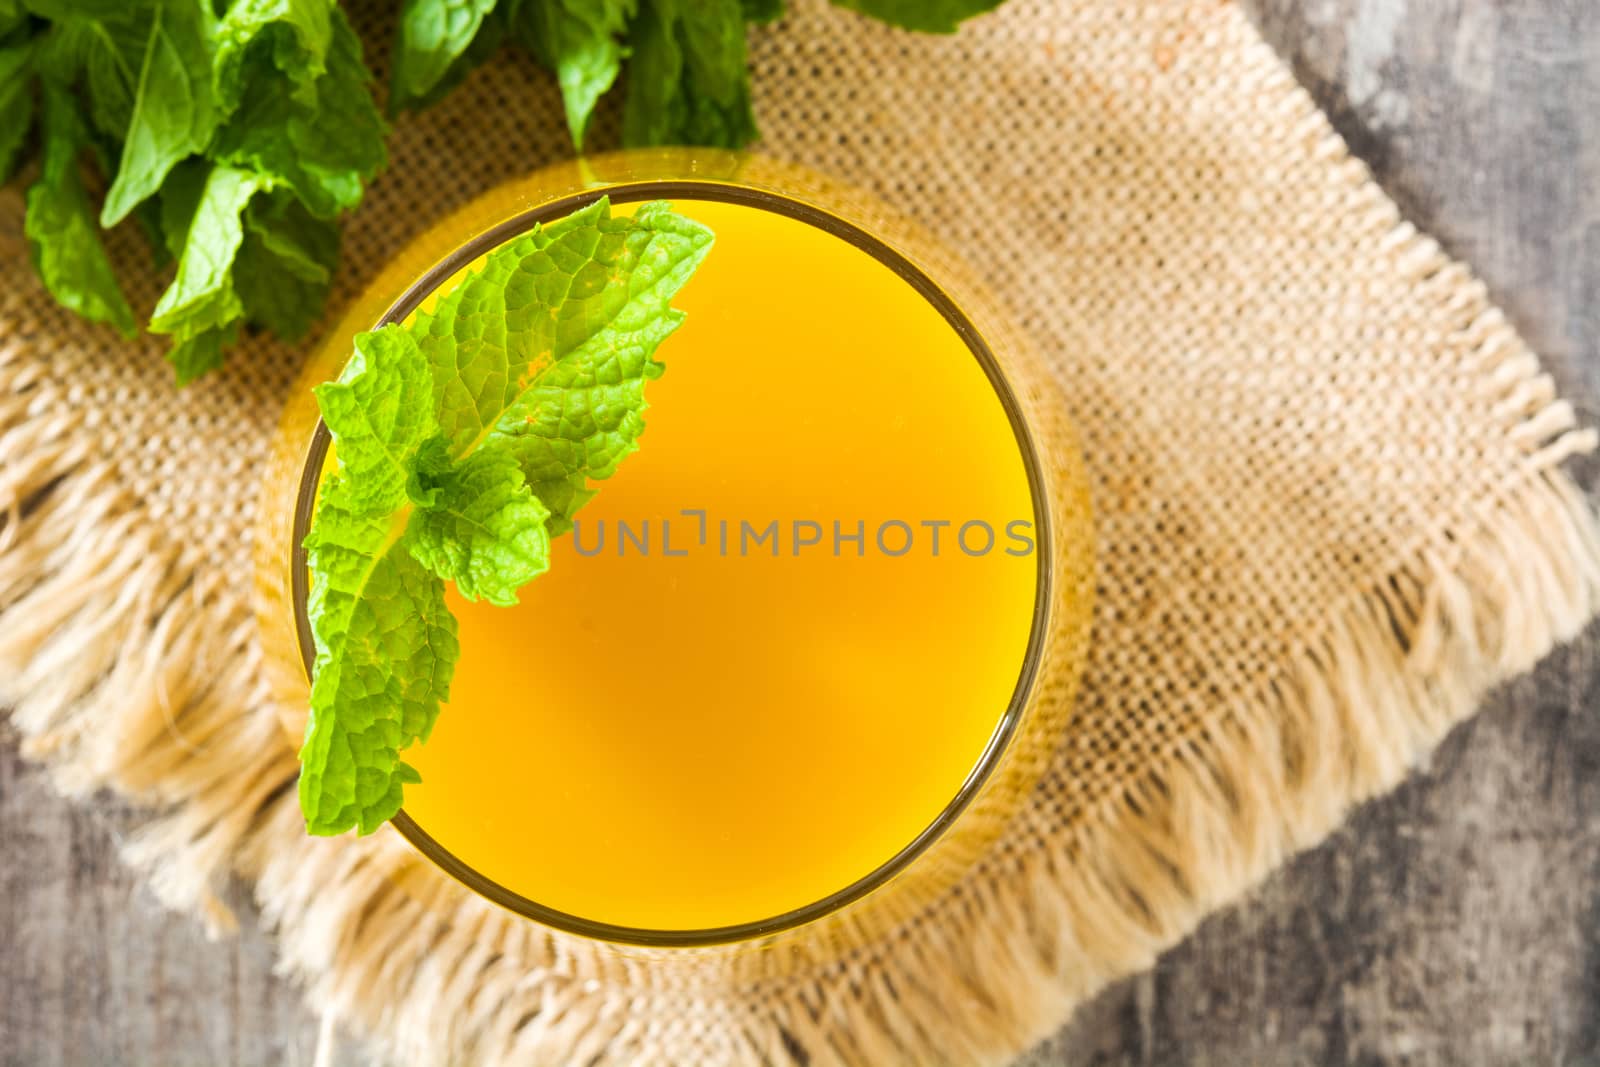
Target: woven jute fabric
1327	491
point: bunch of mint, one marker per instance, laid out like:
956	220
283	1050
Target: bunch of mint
235	141
687	82
235	133
465	440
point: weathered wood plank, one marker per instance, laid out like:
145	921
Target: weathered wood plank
93	971
1455	922
1458	921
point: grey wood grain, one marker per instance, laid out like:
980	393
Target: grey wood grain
1454	922
94	972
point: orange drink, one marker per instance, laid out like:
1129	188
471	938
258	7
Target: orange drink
794	636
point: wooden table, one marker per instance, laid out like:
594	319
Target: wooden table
1454	922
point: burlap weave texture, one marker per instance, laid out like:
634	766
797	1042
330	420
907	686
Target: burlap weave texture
1326	483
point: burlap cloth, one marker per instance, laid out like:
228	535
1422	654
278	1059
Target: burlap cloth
1324	467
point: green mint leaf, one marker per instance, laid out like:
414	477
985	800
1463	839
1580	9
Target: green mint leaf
763	10
429	469
385	650
16	103
380	413
200	353
688	82
167	93
468	336
148	216
483	528
432	37
174	110
549	346
926	16
386	643
463	443
580	41
178	201
201	299
62	10
295	35
106	53
245	251
582	412
285	265
324	152
63	239
491	34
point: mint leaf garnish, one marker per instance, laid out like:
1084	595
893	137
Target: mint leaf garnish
386	647
548	351
483	529
380	412
464	442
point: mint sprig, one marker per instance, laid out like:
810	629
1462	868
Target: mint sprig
464	442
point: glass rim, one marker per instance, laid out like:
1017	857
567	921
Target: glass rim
643	190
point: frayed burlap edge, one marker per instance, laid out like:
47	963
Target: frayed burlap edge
110	662
128	665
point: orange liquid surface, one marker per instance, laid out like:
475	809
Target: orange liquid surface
703	740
